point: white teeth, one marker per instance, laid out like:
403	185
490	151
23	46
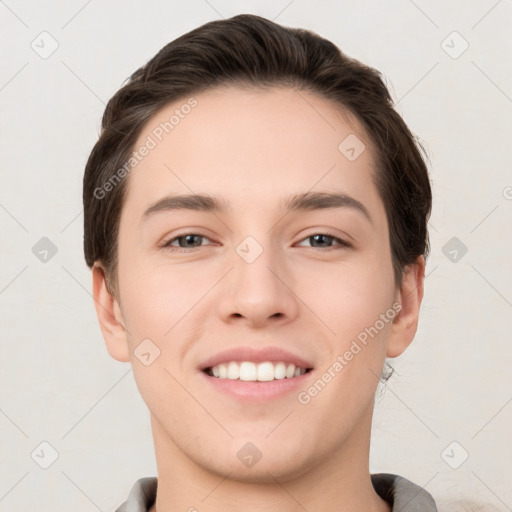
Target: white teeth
246	371
290	370
249	371
233	371
265	371
279	370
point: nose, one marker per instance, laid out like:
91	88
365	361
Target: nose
259	292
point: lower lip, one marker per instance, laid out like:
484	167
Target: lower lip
256	390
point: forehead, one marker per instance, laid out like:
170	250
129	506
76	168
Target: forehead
247	143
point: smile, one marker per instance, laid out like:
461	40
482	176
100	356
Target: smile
260	372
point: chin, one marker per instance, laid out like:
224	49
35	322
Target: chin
243	461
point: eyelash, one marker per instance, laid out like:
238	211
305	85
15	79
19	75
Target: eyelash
341	243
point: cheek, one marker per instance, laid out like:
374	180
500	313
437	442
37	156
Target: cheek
348	297
161	299
148	297
152	307
350	303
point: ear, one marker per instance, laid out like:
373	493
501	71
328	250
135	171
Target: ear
410	295
109	316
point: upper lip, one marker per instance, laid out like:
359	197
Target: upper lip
260	355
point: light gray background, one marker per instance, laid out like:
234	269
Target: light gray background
58	383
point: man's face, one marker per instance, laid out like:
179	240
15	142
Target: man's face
256	277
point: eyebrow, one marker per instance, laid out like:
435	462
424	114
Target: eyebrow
306	201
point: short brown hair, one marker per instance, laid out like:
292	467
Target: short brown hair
248	50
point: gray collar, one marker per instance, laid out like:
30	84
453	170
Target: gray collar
402	494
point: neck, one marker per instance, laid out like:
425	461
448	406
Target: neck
340	482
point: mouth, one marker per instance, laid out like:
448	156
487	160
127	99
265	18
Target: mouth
250	371
257	383
256	375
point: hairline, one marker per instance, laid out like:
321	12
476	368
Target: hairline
232	84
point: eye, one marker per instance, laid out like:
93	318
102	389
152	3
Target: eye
326	238
185	241
193	240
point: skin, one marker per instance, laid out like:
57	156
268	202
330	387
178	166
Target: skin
254	148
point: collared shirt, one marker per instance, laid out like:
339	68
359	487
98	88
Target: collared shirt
402	494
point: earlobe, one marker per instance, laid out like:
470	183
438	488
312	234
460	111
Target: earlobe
109	316
410	295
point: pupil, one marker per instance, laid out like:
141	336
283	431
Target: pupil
321	237
189	239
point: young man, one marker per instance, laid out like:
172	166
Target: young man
256	222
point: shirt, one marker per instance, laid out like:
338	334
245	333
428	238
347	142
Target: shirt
402	494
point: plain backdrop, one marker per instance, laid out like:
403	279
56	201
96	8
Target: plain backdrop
443	420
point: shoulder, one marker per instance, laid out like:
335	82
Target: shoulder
406	496
141	497
402	494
